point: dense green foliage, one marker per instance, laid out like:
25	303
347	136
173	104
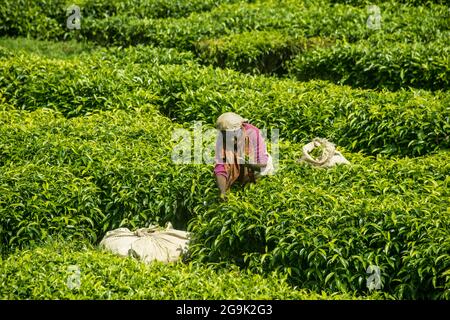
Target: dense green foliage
146	8
260	37
101	185
43	273
407	122
308	18
325	227
379	64
84	176
47	18
86	143
85	84
404	2
255	52
402	123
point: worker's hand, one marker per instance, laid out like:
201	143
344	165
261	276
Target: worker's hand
243	160
223	197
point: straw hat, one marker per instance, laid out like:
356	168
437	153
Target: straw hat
230	121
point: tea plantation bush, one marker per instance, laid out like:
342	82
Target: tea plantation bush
42	273
86	146
51	49
80	177
146	8
83	84
255	52
378	64
402	123
46	19
326	227
405	2
84	176
260	37
88	53
269	51
319	18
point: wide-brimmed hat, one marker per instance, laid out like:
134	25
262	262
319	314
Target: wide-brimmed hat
230	121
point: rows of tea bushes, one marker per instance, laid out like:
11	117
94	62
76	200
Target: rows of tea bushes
377	2
29	82
261	37
79	177
89	53
326	227
183	33
304	18
403	35
382	61
257	52
105	79
146	8
49	22
45	273
47	18
378	64
407	122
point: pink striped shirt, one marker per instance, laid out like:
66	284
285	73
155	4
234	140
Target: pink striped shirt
259	151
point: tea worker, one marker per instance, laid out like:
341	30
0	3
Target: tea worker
241	153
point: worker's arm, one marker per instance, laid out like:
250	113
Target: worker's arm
222	184
260	152
256	166
253	166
